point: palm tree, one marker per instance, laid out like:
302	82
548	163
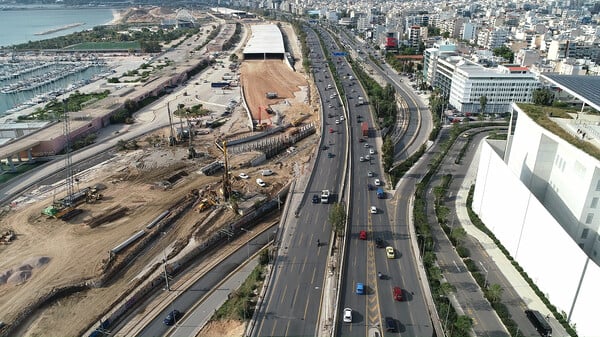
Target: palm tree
463	324
494	292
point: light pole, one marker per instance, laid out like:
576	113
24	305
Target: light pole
486	275
247	242
165	265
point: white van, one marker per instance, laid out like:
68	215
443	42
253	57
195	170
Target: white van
266	172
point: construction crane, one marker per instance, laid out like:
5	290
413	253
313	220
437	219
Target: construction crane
68	200
226	182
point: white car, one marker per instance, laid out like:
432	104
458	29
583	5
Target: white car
244	176
368	157
371	151
367	145
377	182
260	182
370	173
266	172
347	315
342	118
373	210
361	159
337	121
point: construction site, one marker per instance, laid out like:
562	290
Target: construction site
73	249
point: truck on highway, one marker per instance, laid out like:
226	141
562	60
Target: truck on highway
219	84
325	196
380	193
364	127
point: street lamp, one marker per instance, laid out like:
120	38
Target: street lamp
165	265
486	275
247	242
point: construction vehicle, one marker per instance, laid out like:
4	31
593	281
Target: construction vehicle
7	237
66	205
205	204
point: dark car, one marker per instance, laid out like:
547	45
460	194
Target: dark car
390	325
379	243
330	155
172	317
315	199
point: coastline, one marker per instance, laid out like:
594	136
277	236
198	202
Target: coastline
117	16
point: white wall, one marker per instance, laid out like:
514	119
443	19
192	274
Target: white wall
536	241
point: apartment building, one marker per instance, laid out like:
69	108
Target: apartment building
501	86
440	50
561	49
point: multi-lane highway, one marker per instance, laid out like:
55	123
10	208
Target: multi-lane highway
363	259
292	302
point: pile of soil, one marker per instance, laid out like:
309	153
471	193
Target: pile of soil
22	273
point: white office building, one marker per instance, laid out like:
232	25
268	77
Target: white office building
501	86
439	50
541	199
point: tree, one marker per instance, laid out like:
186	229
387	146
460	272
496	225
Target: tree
458	234
483	103
337	218
463	324
505	53
543	97
494	293
387	155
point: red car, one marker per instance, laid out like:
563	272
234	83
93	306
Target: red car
330	130
362	235
397	293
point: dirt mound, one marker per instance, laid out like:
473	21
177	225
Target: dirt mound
228	327
37	262
19	277
22	273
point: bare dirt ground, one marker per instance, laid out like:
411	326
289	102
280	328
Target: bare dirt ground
50	253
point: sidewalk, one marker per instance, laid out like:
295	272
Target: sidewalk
504	265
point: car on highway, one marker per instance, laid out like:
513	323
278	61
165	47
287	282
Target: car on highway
367	157
397	291
330	130
370	173
315	199
330	155
324	147
379	243
390	325
377	182
367	145
361	159
373	210
342	118
360	140
390	253
260	182
371	151
347	315
244	176
337	121
362	235
172	317
360	288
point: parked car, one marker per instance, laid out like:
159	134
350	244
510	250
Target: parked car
244	176
389	252
260	182
347	315
172	317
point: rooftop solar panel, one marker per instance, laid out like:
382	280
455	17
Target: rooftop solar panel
585	88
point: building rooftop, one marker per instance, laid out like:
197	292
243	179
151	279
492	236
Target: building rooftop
265	39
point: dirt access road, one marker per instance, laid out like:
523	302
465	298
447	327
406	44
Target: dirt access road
49	254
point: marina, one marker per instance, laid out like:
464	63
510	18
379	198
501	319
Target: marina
28	81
